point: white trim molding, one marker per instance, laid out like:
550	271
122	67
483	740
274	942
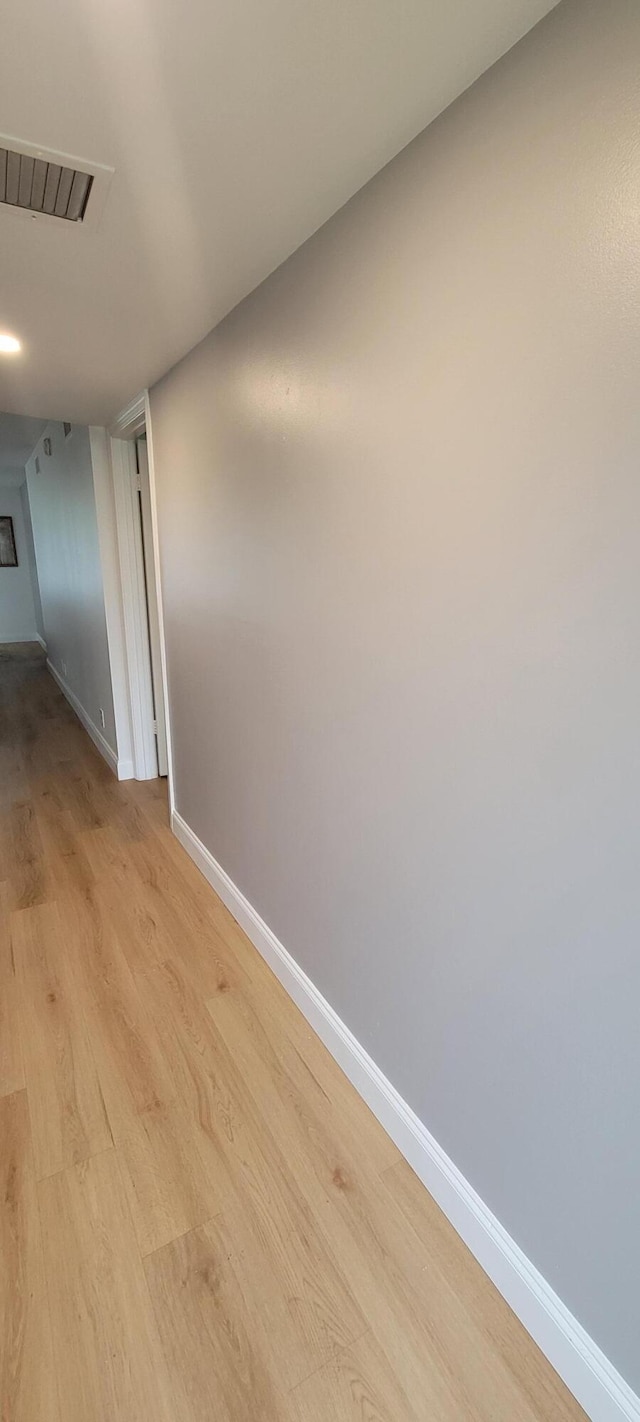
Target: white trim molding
158	580
588	1374
121	769
130	421
137	676
111	582
133	595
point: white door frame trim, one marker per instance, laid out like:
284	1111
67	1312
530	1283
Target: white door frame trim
158	575
132	421
125	493
155	643
113	603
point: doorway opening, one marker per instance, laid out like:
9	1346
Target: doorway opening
152	604
139	594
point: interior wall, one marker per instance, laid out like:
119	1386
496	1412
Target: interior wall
17	607
31	559
399	509
65	531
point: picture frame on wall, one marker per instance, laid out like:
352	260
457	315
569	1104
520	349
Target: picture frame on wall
8	552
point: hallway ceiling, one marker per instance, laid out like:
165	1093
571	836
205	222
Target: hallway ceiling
235	130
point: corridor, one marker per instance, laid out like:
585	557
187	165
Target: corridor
200	1219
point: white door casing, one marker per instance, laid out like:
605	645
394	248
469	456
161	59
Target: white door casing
152	604
134	605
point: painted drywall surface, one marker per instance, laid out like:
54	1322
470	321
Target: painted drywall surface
17	610
399	513
63	513
31	559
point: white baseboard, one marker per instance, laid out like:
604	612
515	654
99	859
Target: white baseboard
41	641
92	730
588	1374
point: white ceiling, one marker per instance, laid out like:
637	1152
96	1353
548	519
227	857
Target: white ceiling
235	127
18	436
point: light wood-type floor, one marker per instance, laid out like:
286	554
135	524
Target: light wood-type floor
200	1221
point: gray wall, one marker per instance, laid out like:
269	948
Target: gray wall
31	558
17	608
65	531
399	504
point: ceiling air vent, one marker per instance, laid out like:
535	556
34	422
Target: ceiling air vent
45	185
40	186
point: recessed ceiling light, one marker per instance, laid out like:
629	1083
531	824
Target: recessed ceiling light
9	345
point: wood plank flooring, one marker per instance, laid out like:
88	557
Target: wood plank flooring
199	1218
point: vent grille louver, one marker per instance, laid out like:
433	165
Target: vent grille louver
39	186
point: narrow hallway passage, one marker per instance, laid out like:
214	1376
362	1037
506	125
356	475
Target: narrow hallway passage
199	1217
